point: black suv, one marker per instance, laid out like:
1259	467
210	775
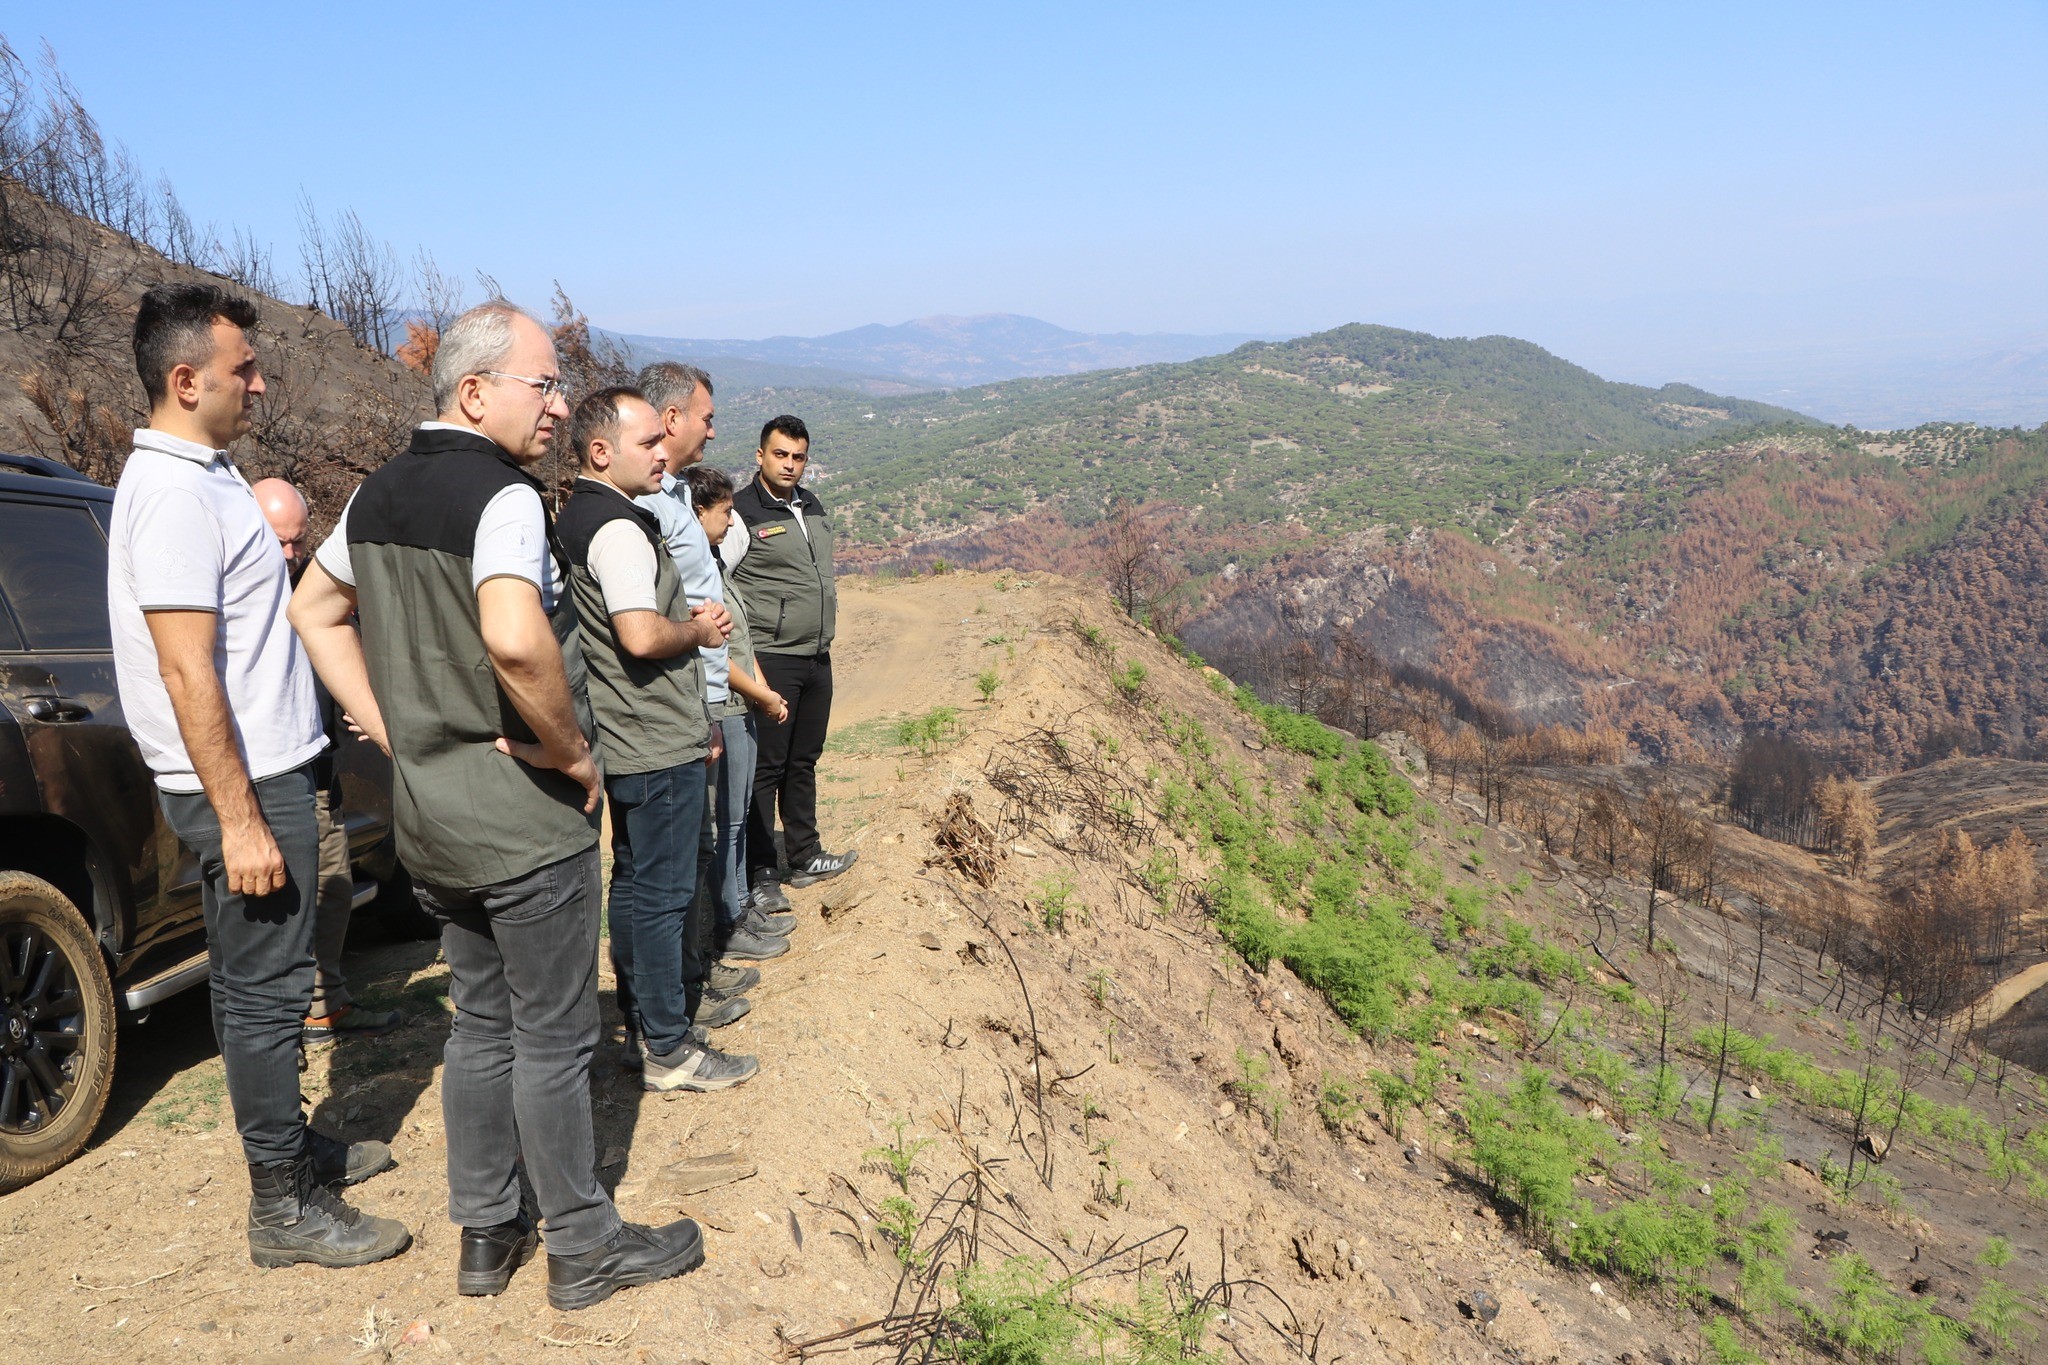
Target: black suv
99	901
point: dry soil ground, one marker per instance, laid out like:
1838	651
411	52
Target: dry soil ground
1095	1079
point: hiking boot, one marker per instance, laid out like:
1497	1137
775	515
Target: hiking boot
351	1021
821	865
727	979
344	1163
696	1066
293	1219
748	947
635	1255
490	1255
761	924
716	1011
768	897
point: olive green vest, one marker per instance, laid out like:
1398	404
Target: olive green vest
650	713
786	572
466	816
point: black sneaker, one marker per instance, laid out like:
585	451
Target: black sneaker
742	946
490	1255
768	897
717	1011
727	979
344	1163
695	1066
820	866
635	1255
294	1219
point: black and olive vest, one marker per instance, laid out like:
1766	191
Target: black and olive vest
650	712
786	573
465	815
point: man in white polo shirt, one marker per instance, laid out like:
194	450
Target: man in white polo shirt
219	696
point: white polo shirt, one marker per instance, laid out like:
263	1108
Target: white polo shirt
187	535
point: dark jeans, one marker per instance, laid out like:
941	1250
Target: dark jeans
733	781
786	768
515	1080
260	960
661	898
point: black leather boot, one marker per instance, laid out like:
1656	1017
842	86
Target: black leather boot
490	1255
293	1218
345	1163
635	1255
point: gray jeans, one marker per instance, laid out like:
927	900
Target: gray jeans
259	960
516	1072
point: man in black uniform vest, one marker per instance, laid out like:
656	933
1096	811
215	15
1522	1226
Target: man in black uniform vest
779	550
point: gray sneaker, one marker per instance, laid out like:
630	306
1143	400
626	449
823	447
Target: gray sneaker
742	946
716	1011
761	924
693	1066
727	979
767	896
633	1056
822	865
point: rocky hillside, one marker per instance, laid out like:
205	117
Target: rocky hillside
68	292
1154	1018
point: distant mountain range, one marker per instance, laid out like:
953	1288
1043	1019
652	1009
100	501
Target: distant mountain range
1352	427
935	352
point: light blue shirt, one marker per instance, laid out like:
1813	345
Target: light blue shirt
688	547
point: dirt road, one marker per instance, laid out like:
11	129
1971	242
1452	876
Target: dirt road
135	1250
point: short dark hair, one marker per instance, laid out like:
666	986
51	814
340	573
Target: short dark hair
174	327
597	418
792	427
708	487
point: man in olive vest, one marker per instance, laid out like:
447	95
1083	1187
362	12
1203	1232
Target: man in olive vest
642	641
779	550
468	673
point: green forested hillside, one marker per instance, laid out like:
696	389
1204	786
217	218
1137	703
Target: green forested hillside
1357	425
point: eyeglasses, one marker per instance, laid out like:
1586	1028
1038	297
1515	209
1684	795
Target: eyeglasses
548	387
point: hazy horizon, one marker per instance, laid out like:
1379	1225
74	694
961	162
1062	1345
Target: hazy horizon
1834	200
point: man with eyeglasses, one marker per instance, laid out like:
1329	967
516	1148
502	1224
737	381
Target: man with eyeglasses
467	670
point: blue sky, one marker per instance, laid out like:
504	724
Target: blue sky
1657	191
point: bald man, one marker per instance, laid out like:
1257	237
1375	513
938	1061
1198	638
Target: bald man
333	1012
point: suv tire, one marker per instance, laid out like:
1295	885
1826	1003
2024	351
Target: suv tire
56	1029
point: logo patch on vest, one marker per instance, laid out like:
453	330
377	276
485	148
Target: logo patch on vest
767	531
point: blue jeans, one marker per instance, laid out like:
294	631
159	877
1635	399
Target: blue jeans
734	778
658	820
515	1080
260	960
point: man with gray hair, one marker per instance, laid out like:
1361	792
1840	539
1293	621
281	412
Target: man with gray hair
468	672
742	928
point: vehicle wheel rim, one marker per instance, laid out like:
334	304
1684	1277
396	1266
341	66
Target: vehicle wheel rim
42	1030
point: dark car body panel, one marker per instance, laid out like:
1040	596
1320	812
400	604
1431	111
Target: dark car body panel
67	760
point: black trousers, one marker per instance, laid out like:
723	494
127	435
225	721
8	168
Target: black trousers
786	769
